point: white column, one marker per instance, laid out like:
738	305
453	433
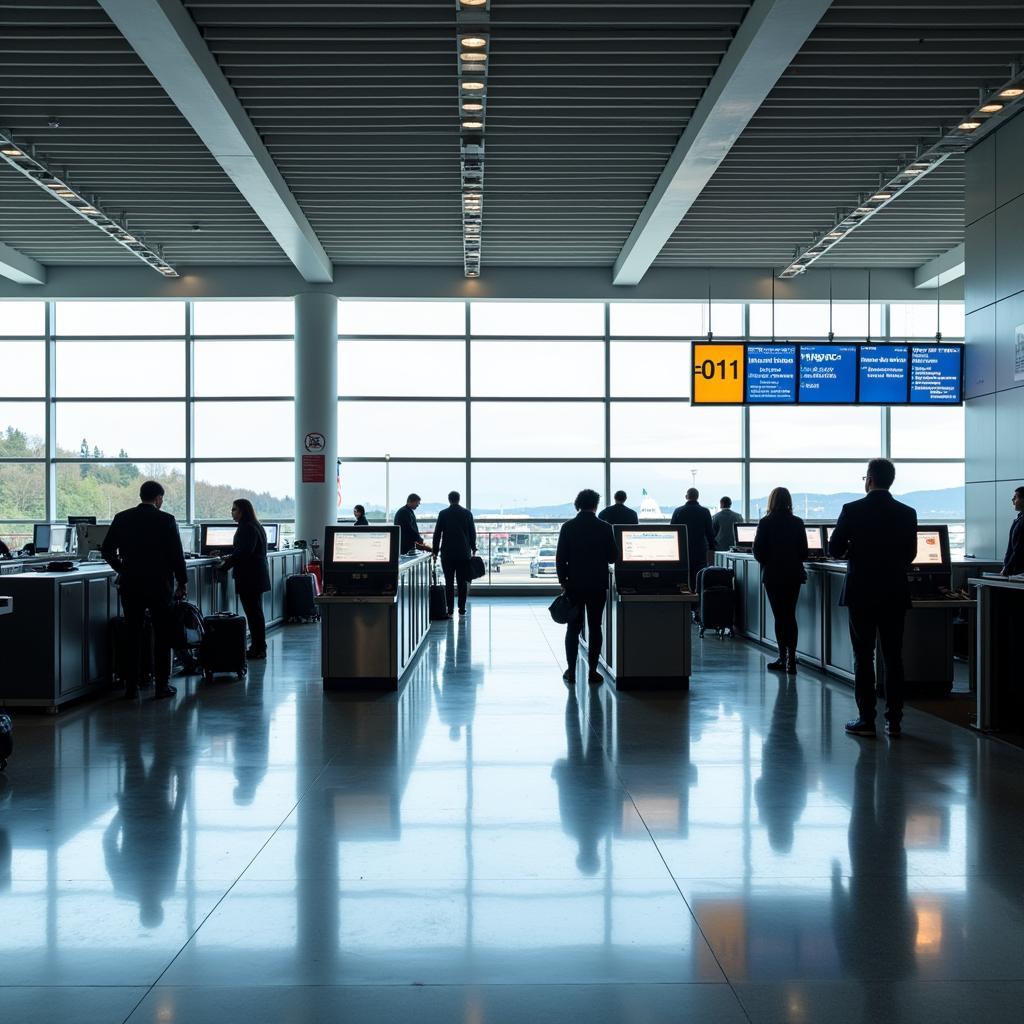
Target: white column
316	414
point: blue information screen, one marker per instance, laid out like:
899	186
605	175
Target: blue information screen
935	375
884	374
828	374
771	374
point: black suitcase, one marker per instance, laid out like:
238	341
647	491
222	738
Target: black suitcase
300	598
716	588
438	602
123	652
223	645
6	739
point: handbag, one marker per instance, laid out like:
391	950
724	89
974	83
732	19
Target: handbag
477	568
562	610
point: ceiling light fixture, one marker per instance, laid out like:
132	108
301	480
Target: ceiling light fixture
472	86
1011	93
990	108
472	108
472	125
473	57
879	196
473	42
968	126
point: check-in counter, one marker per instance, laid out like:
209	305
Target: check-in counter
56	643
368	641
6	605
824	640
1000	654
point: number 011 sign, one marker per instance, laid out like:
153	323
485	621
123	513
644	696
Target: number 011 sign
718	374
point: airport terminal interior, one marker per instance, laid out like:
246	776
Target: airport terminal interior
306	259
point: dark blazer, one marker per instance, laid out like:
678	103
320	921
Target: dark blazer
455	534
361	521
405	520
700	532
878	538
1013	560
5	551
144	548
780	545
586	547
248	559
619	515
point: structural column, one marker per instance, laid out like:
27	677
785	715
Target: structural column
316	414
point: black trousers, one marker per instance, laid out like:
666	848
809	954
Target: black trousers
589	606
884	622
455	572
252	605
158	600
783	598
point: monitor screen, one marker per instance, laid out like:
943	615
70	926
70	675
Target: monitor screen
930	549
272	530
365	547
188	537
813	538
59	538
81	520
41	537
650	546
745	533
218	537
90	538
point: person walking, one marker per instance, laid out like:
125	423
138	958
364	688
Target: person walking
455	539
724	523
143	547
248	564
700	534
619	514
877	536
586	547
780	546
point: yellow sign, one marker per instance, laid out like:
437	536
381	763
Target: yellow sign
717	374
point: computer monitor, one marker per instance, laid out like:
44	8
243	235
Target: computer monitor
273	531
188	537
41	537
932	550
815	542
215	540
651	547
59	538
90	538
81	520
361	549
745	534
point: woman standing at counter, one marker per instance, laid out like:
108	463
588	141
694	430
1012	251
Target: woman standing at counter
248	562
780	545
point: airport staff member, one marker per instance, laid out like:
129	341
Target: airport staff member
586	547
248	564
724	522
619	514
360	514
780	546
143	547
1013	560
699	532
405	519
455	538
877	536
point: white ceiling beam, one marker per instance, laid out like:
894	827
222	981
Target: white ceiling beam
950	266
765	44
164	35
18	267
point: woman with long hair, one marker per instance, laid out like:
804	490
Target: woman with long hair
248	563
780	545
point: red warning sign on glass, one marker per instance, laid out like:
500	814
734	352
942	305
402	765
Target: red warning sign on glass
314	470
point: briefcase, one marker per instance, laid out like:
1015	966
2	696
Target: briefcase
477	568
562	610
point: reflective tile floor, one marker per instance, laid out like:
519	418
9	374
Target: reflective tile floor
486	846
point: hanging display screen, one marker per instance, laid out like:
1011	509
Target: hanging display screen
826	373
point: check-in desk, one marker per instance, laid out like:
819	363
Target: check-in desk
56	643
1000	654
824	640
373	621
6	605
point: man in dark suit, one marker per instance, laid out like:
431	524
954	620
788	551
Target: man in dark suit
586	547
700	533
877	536
405	519
455	538
619	514
1013	560
144	548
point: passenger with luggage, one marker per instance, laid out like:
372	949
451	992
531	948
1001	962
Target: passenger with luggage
143	547
780	546
455	539
700	534
251	570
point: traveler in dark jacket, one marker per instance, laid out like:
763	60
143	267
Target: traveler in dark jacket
586	547
455	538
724	522
360	516
780	545
410	538
1013	560
248	564
619	514
878	538
700	534
143	547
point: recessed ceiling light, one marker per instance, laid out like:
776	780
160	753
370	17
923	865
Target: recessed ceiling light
990	108
913	170
473	42
879	196
87	209
56	185
473	3
1011	93
472	57
472	125
472	86
66	195
863	209
968	126
472	108
11	152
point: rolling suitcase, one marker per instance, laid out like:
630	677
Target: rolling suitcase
6	739
438	602
223	645
300	598
124	652
717	594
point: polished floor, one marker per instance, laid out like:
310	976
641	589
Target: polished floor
486	847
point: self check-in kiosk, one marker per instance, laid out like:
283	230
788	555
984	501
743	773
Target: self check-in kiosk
651	559
745	534
358	560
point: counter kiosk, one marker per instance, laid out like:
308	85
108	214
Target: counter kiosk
1000	653
375	608
647	628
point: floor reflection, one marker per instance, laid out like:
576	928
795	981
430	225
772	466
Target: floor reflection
781	792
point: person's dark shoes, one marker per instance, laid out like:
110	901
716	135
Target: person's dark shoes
569	676
463	611
131	693
893	730
164	690
860	727
254	655
778	665
791	666
594	677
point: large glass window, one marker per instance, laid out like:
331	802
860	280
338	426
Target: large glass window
547	430
120	369
270	486
553	319
923	319
244	367
23	319
807	433
136	430
401	429
22	490
673	430
381	488
650	369
814	319
103	489
125	319
656	489
244	429
235	319
386	368
22	430
676	319
927	433
545	369
541	489
431	318
22	369
819	489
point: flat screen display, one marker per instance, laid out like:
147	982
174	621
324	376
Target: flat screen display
59	538
187	535
745	533
828	374
650	546
884	373
371	547
219	536
771	374
813	538
935	375
271	530
929	548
